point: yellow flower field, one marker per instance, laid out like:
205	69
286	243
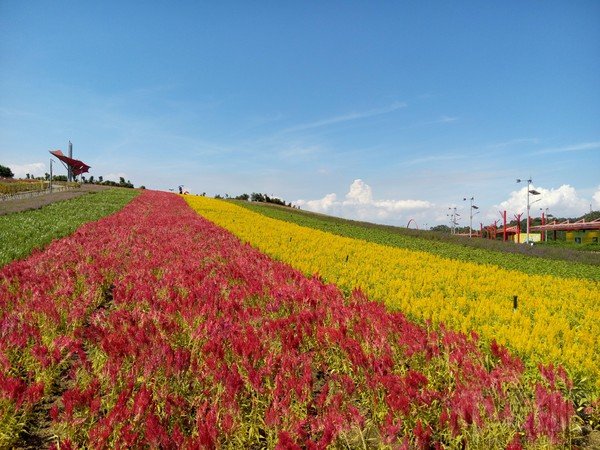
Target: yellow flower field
557	320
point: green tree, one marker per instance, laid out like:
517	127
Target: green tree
6	172
441	228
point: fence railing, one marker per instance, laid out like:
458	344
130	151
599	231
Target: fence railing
29	194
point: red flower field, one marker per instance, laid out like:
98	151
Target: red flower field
155	328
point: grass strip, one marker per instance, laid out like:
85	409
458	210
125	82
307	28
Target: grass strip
22	232
535	261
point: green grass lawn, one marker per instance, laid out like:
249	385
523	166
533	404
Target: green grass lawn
542	260
22	232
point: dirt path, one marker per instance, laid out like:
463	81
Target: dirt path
11	206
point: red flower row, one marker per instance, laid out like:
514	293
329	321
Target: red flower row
154	327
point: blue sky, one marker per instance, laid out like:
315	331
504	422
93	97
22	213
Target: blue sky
381	111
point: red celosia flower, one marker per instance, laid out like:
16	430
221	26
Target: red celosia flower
171	333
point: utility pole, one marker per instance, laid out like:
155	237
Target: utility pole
453	219
545	220
503	214
532	192
471	214
69	169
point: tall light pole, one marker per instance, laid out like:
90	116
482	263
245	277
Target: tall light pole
532	192
69	168
453	219
471	214
547	216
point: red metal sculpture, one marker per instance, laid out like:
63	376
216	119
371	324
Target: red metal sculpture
77	167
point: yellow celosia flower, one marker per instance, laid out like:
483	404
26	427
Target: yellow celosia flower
557	320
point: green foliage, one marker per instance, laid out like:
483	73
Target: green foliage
121	183
6	172
592	215
264	198
539	261
22	232
14	187
442	228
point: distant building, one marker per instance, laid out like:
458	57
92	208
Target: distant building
583	236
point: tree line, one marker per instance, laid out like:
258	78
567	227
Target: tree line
6	172
257	197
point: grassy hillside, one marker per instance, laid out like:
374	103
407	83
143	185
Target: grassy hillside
22	232
533	260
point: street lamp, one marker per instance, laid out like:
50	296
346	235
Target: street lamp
471	214
547	216
532	192
453	219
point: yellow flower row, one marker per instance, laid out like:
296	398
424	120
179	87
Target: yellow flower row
557	320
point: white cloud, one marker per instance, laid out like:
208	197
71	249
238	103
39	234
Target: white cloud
513	142
448	119
596	198
322	205
115	176
35	169
436	158
571	148
360	204
360	193
346	117
299	152
442	119
561	202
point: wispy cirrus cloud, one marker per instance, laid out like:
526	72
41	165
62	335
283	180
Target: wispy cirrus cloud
299	152
446	119
571	148
346	117
15	112
514	142
435	158
441	120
